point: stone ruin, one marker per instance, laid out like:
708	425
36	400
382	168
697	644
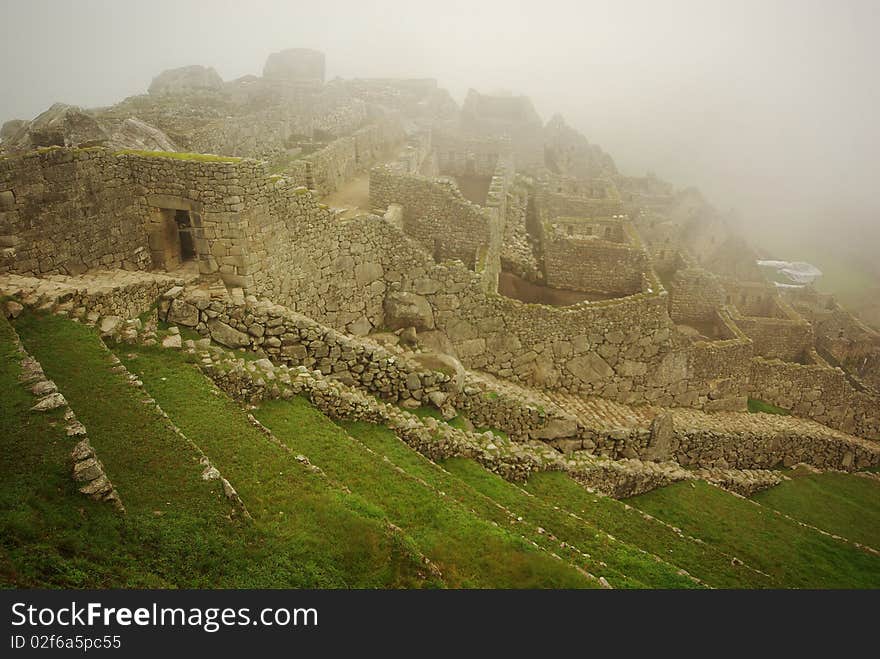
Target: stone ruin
475	240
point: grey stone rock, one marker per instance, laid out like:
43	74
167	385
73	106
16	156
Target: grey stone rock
183	313
109	325
226	335
136	134
404	309
13	309
50	402
589	368
60	125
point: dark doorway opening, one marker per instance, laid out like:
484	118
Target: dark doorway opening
187	239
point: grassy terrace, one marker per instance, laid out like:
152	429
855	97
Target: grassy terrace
374	515
704	561
469	550
305	533
605	553
795	556
505	503
842	504
47	536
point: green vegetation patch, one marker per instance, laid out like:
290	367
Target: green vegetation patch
53	536
177	155
756	405
339	539
639	569
386	443
470	550
843	504
795	556
179	530
631	526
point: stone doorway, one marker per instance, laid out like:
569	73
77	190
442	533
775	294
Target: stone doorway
175	233
186	236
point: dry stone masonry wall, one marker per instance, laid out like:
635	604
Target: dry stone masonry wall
817	392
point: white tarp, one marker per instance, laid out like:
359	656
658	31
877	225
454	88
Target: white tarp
798	272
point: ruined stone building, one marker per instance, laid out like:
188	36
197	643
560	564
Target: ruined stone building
512	247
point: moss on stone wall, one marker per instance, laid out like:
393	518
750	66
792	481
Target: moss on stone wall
198	157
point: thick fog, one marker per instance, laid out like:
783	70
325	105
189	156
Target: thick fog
768	107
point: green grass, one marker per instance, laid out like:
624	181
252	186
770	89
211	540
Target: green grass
342	537
795	556
631	526
178	531
842	504
52	536
756	405
640	569
307	531
385	442
177	155
470	551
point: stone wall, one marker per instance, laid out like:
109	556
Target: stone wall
751	450
723	364
517	252
328	168
346	274
511	117
817	392
694	295
586	262
338	271
96	294
552	205
463	156
63	211
436	214
840	337
291	338
755	299
788	339
72	210
292	112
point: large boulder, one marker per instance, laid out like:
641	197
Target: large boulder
226	335
404	309
185	79
136	134
447	364
183	313
295	65
60	125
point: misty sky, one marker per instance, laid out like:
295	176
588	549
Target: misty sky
771	107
